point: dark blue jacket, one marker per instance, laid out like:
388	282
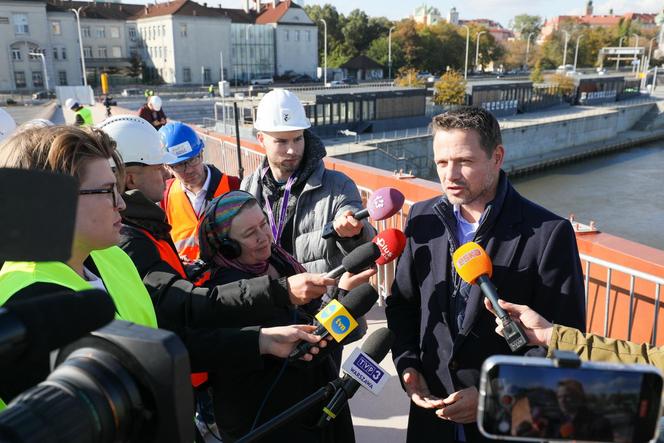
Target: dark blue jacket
535	262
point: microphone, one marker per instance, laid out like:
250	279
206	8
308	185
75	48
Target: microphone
474	266
34	327
391	243
375	346
337	318
383	204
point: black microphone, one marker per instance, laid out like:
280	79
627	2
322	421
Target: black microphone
357	302
376	346
357	260
34	327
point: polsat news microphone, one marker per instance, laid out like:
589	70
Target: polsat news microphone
474	266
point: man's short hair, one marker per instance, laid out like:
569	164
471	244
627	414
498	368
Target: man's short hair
471	117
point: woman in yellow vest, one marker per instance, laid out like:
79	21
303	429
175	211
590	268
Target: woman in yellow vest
88	155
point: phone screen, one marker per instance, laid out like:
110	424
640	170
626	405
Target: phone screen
582	404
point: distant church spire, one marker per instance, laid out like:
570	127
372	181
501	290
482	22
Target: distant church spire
589	7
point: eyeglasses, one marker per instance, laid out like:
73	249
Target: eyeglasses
113	190
182	166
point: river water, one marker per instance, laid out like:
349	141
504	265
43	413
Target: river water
623	192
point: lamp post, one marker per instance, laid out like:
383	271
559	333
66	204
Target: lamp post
80	42
647	64
618	59
565	49
465	68
635	48
389	54
324	52
221	90
246	38
43	60
576	51
477	48
528	47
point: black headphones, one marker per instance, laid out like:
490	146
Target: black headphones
229	248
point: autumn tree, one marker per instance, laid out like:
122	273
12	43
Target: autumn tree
450	89
408	77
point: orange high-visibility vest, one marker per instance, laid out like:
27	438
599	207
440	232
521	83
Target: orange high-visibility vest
182	218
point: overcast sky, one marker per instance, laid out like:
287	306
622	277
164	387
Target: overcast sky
500	10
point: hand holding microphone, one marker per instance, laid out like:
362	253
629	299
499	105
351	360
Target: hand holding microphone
474	266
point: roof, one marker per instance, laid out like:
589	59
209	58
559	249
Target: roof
108	11
272	14
179	7
361	62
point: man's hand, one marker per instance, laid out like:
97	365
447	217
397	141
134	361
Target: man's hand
304	287
346	225
537	328
280	341
418	390
460	406
350	281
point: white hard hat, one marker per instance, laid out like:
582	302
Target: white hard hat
136	140
36	123
7	124
280	110
70	103
155	102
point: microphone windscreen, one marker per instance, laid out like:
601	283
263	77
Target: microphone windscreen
361	258
384	203
378	344
54	320
391	243
471	261
360	299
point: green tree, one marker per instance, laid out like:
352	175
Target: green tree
408	77
536	74
524	24
135	67
450	89
356	32
335	23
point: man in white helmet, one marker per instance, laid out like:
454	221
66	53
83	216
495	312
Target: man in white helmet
152	112
7	125
83	114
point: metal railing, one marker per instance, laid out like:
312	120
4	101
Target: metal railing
633	275
223	155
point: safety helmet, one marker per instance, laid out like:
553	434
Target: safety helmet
136	140
7	124
280	110
36	123
155	102
70	103
181	141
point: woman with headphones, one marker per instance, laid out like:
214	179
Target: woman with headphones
236	240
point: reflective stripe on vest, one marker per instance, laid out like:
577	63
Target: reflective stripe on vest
2	405
86	115
183	219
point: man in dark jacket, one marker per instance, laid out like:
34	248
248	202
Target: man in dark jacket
443	332
152	112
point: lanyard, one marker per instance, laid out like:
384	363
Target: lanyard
278	225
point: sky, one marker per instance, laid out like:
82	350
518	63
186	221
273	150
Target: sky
500	10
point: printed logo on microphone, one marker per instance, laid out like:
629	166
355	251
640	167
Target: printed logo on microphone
379	202
468	256
384	248
337	320
365	371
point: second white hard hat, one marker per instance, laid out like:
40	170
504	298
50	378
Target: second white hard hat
136	139
7	124
155	102
70	103
280	110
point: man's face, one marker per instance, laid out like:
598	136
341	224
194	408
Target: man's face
190	172
284	150
149	179
469	178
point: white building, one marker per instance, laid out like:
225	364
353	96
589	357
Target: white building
426	15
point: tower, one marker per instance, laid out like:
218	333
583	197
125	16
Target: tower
589	7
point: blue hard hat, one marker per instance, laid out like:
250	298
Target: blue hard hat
181	141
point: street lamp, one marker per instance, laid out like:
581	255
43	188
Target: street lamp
324	52
389	53
618	59
528	47
635	48
576	51
647	65
465	68
477	48
43	60
565	49
80	42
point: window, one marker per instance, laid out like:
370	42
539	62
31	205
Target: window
63	51
308	36
62	78
115	32
183	30
55	28
206	75
87	52
297	36
20	24
101	52
116	52
100	32
16	54
56	54
186	75
37	79
287	34
133	51
85	31
19	79
163	30
132	34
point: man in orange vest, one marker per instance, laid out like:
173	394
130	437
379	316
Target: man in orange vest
194	185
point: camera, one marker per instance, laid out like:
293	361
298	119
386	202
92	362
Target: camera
121	383
562	399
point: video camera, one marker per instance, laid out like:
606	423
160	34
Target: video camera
562	399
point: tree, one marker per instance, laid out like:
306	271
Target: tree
524	24
135	68
536	75
335	23
408	77
356	32
450	89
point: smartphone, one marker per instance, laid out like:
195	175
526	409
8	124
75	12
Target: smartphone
533	399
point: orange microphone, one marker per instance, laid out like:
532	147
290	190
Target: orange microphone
474	266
